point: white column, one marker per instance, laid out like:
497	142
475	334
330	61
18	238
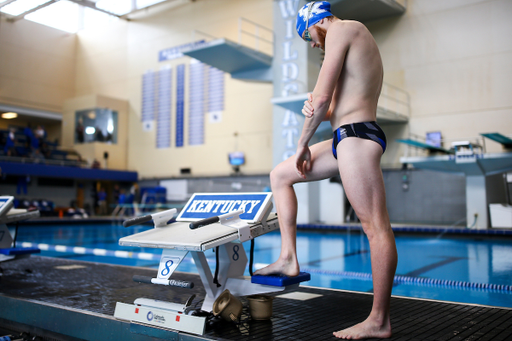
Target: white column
476	201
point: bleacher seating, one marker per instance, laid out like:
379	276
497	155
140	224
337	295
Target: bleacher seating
45	207
152	196
50	152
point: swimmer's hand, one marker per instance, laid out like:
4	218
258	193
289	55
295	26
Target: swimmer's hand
307	109
303	161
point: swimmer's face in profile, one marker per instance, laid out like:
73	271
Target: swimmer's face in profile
308	16
317	37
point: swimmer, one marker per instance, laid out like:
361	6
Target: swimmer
346	94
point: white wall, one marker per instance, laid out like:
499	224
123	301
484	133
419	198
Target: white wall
37	65
453	57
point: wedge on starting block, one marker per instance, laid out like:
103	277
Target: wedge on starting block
17	251
280	280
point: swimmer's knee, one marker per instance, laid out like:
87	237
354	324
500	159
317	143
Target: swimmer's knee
281	174
376	228
276	175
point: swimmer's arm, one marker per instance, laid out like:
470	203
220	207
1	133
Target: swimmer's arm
308	110
337	43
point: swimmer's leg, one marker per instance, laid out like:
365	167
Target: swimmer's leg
282	178
359	162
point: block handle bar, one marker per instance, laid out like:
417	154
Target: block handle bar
137	220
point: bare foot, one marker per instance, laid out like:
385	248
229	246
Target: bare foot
280	267
365	330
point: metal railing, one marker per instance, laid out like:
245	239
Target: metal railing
259	33
50	162
260	37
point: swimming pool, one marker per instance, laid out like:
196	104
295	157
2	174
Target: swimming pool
468	269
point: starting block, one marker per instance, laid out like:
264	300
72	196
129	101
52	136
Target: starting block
208	220
8	214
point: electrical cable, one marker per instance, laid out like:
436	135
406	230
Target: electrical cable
251	257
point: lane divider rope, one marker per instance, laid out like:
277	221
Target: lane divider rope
96	252
416	280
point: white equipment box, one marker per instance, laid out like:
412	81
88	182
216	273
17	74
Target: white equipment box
501	215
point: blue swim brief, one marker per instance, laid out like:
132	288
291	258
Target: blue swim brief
364	130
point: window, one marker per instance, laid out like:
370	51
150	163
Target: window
20	6
66	15
96	125
61	15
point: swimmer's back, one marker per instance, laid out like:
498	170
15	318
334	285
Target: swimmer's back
360	82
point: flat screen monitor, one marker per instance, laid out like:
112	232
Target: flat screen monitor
236	158
434	139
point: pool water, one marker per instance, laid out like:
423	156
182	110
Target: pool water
429	266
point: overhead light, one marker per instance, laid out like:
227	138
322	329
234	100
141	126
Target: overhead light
90	130
9	115
110	126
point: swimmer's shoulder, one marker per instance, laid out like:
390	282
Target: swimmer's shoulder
347	29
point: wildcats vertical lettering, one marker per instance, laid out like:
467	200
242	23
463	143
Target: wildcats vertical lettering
290	74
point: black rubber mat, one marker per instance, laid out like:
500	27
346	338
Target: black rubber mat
96	288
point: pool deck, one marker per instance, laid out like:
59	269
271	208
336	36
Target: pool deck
61	299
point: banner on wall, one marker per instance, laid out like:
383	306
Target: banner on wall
196	101
205	97
148	100
163	119
215	94
148	125
215	116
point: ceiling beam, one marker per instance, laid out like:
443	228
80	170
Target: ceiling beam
22	15
166	4
90	4
5	3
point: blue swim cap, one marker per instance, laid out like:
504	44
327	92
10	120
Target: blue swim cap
319	10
